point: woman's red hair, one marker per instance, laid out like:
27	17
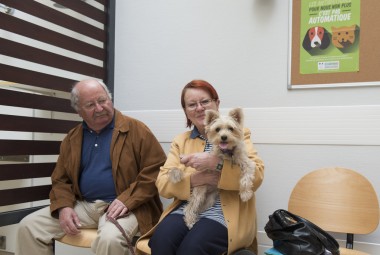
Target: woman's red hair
197	84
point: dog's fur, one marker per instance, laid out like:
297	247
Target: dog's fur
227	136
316	37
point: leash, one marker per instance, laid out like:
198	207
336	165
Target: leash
114	221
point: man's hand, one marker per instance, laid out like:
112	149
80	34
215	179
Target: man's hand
69	221
116	208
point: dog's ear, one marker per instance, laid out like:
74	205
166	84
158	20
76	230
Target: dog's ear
237	115
211	115
306	44
325	40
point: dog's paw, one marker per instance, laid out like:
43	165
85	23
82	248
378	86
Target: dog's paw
246	195
189	222
175	175
190	216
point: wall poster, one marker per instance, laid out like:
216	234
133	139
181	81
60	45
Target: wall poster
329	36
351	58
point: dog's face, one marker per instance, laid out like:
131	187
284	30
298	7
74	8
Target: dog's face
224	131
316	37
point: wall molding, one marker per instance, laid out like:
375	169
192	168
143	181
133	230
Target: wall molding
322	125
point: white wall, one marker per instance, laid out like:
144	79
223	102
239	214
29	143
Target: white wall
241	47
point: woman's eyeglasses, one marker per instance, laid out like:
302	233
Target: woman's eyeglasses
204	103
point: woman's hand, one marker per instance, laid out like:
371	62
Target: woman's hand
206	177
200	161
205	164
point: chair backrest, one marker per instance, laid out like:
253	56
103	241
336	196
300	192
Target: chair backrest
336	199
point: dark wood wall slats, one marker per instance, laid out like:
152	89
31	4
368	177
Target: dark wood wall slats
44	12
43	80
29	147
23	195
31	124
33	31
25	171
34	101
84	9
103	2
22	51
29	89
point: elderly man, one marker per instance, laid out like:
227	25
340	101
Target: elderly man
105	175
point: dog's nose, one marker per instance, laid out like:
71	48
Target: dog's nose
224	137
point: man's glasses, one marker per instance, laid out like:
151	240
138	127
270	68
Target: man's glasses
204	103
89	106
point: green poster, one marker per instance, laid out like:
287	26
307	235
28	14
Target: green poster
330	32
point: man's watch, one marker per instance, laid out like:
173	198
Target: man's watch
219	166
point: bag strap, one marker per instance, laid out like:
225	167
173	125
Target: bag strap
326	239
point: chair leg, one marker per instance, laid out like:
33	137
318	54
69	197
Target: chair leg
350	241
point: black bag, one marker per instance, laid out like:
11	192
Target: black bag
294	235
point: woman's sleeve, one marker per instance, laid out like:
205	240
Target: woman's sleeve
166	188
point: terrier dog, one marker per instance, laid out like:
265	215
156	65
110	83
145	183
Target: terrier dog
227	136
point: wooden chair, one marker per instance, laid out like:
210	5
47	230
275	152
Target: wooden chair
142	248
338	200
84	239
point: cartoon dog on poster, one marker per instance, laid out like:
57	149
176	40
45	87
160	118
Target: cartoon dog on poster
316	37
